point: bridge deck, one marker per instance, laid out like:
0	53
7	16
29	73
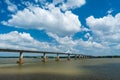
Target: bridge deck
30	51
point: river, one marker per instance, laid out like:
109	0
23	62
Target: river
83	69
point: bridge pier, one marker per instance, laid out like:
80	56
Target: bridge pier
68	57
44	58
20	58
57	58
81	56
76	57
84	57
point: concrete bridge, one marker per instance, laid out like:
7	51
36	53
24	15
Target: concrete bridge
20	61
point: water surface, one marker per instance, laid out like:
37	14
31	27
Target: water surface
83	69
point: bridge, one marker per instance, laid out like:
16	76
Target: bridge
20	61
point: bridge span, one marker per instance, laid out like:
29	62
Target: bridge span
20	61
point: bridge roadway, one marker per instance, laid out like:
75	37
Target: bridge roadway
20	61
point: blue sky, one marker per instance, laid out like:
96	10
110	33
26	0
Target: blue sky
89	27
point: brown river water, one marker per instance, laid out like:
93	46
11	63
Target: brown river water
83	69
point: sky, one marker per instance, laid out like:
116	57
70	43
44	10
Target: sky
88	27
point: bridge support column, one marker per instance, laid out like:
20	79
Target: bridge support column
68	57
75	57
83	57
20	58
78	56
57	58
44	58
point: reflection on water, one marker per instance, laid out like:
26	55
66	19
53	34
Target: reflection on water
87	69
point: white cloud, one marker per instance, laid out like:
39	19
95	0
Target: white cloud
16	40
57	1
110	11
87	35
23	40
11	7
70	4
77	46
40	1
65	43
52	20
85	29
63	40
60	26
106	30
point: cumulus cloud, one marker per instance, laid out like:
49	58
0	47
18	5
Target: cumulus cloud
110	11
85	29
69	4
51	20
87	35
16	40
11	7
63	40
60	25
107	27
57	1
77	46
106	30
